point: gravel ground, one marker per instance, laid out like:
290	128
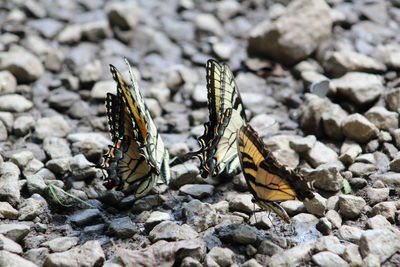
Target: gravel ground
54	77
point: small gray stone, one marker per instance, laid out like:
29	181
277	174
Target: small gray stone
182	174
340	62
81	168
239	233
392	99
386	209
293	256
227	9
37	255
33	207
9	186
207	23
351	206
269	248
317	205
328	259
23	125
70	34
220	256
171	231
61	244
199	96
25	66
359	128
360	169
88	254
261	220
8	83
59	166
33	167
8	120
8	259
9	245
190	262
200	215
56	147
371	260
326	178
382	118
391	179
52	126
293	207
197	190
320	154
101	88
243	203
382	243
85	217
264	124
14	103
303	144
96	30
352	255
91	72
324	226
7	211
251	263
155	218
35	184
390	54
124	15
122	227
376	195
395	164
349	151
15	232
287	41
360	88
98	138
350	233
22	158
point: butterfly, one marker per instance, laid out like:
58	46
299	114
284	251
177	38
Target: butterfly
268	180
218	152
138	159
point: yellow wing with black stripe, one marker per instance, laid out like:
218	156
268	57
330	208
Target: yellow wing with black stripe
218	152
268	181
138	159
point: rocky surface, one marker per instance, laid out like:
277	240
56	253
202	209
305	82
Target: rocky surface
54	77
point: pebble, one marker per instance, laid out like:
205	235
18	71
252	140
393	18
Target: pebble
349	151
219	257
98	138
56	147
326	178
279	34
305	144
200	215
122	227
55	126
124	15
328	259
261	220
311	113
155	218
392	99
14	103
207	23
37	255
88	254
350	233
15	232
171	231
8	83
197	190
387	209
238	233
8	259
269	248
351	206
10	245
32	207
382	118
9	186
61	244
316	206
182	174
382	243
377	195
25	66
243	203
23	125
7	211
360	88
359	128
293	256
341	62
85	217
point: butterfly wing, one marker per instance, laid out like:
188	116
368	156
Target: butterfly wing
218	151
268	181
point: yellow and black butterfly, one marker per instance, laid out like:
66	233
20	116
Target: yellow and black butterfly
268	181
218	152
137	160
